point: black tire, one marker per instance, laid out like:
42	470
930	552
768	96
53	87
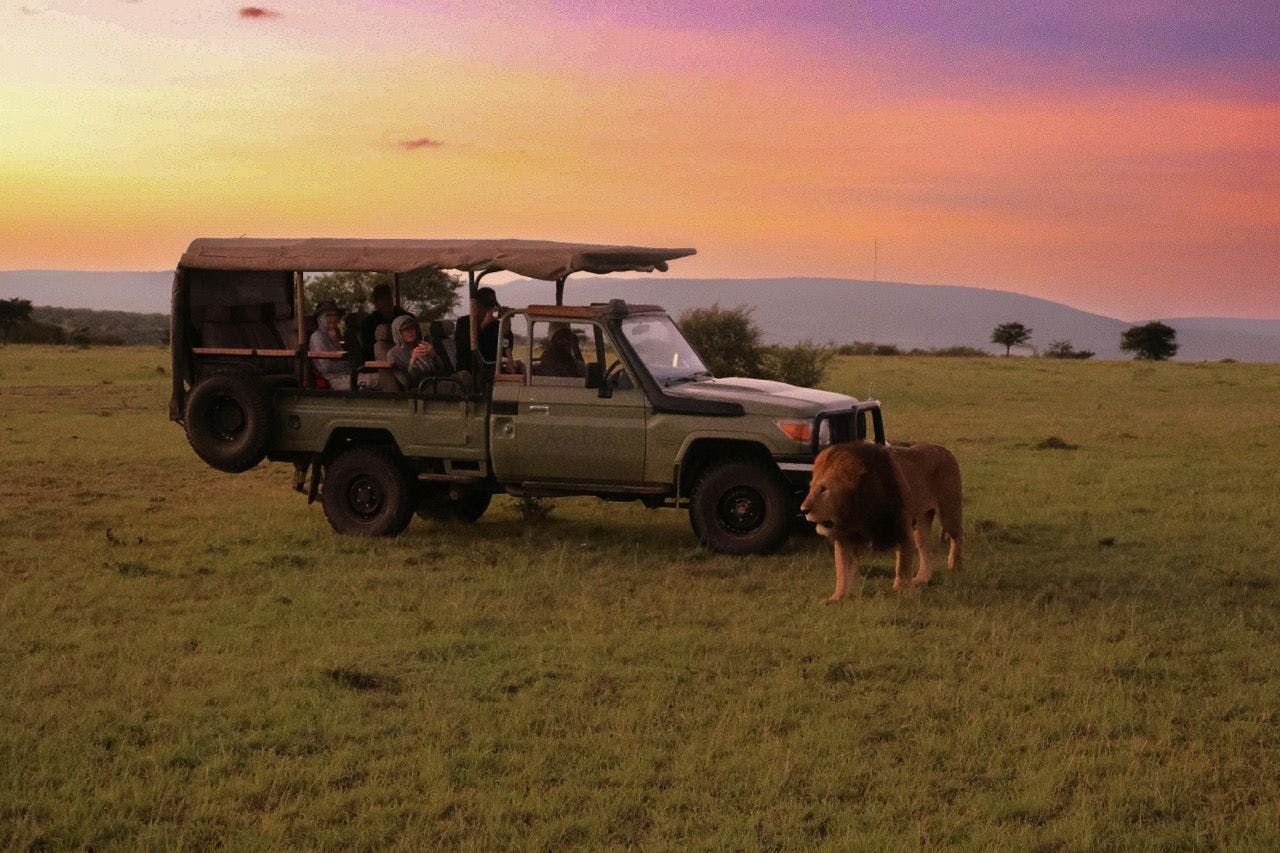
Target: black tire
739	507
228	421
367	493
437	504
470	505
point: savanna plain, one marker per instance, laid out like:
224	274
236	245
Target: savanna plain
193	659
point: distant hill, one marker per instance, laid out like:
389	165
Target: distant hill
143	292
787	309
908	315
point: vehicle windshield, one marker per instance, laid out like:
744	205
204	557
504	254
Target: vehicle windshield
664	350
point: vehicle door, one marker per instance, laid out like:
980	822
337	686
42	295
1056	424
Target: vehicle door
564	429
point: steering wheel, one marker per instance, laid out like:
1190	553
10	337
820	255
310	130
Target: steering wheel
613	371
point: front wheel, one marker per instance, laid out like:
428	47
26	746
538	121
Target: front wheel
741	507
367	493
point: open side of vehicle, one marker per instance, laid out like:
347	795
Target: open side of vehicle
607	400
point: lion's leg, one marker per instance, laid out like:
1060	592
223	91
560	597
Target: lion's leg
846	568
901	565
925	572
955	532
954	562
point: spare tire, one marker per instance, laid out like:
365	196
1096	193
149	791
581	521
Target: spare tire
228	421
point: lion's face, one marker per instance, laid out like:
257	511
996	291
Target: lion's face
835	478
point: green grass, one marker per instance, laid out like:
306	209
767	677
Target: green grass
190	658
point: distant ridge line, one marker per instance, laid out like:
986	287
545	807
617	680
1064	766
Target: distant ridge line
787	309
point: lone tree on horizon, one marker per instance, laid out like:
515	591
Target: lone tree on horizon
1010	335
1152	341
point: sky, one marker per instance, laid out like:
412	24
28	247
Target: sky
1122	158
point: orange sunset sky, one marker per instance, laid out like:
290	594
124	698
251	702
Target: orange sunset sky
1124	160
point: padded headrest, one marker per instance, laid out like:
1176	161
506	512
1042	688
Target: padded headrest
214	314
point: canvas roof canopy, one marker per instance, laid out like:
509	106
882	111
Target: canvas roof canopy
546	260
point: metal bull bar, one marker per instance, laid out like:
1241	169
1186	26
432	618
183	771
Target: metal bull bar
859	414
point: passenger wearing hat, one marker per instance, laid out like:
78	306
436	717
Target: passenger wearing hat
336	372
413	358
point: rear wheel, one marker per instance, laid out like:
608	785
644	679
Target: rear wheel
443	504
740	507
367	493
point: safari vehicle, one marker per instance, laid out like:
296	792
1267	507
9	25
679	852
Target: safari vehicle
636	417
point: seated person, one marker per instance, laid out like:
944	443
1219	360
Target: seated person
486	307
562	355
412	358
336	372
385	310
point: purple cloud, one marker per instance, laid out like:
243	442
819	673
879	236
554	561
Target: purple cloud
1232	44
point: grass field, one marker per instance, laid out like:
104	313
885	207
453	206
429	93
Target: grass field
190	658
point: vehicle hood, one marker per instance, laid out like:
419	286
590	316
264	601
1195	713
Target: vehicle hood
763	396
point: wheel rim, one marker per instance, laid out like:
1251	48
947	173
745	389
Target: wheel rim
365	496
226	418
741	510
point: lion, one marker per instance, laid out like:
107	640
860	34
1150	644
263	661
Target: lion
866	495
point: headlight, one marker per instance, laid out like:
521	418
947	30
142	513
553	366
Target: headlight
797	429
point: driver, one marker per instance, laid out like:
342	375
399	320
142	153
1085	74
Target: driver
413	358
562	355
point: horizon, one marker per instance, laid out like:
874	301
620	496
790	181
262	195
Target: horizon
659	278
1121	159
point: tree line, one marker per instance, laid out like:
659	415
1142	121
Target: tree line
1154	341
23	323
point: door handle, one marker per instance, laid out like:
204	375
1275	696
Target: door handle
543	409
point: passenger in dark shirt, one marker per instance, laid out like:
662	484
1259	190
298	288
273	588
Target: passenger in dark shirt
487	308
384	311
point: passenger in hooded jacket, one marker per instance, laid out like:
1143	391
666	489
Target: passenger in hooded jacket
412	358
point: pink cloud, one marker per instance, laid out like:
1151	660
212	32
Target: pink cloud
254	12
420	142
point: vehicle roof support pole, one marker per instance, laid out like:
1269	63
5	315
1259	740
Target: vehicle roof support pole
473	325
304	363
560	289
395	288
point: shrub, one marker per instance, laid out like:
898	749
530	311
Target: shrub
1063	349
857	348
533	508
727	339
804	364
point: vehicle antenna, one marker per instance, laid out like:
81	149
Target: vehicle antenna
875	259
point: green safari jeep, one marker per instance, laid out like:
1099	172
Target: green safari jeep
607	399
